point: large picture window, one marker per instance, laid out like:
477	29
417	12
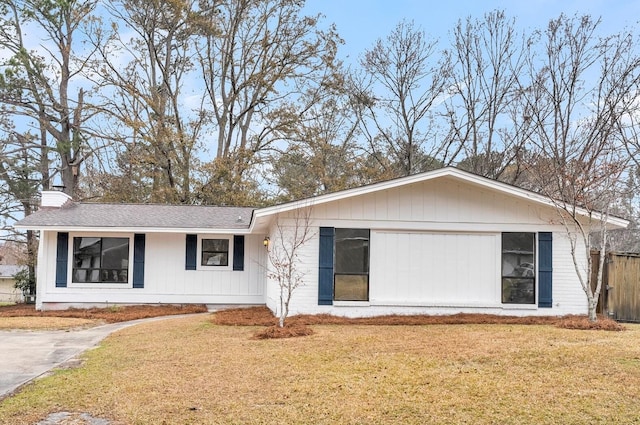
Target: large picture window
215	252
351	278
100	260
518	268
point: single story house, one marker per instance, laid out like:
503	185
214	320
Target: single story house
440	242
8	291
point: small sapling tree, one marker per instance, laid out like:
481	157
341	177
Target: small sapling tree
290	235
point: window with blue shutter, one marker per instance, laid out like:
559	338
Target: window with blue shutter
191	252
101	260
325	278
238	252
62	259
138	260
351	265
545	269
518	268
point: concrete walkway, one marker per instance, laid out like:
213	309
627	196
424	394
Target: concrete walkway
26	355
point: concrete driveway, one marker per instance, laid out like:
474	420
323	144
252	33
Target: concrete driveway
26	355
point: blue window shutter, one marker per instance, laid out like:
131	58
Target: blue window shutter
325	278
138	260
545	269
192	252
238	252
62	259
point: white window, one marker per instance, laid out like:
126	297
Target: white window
215	252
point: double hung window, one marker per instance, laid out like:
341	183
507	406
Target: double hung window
351	278
215	252
518	268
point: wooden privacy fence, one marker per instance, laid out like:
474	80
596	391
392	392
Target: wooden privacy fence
620	294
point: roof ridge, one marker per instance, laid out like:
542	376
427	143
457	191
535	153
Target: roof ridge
161	205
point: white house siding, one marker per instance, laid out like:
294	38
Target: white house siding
8	291
307	266
165	277
46	272
568	295
434	268
435	249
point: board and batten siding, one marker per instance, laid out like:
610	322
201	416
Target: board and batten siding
436	249
443	204
307	293
434	268
165	277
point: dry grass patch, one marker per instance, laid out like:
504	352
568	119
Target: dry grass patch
191	371
45	323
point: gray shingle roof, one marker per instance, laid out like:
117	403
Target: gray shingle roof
88	215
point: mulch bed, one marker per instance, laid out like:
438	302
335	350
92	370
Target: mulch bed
113	314
300	325
262	316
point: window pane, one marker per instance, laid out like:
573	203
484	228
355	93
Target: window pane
115	253
215	259
100	260
215	245
351	287
518	291
518	241
215	252
518	268
115	259
86	259
86	252
352	251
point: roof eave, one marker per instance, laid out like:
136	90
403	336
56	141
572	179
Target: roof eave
78	229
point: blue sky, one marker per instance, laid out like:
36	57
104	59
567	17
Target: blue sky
361	22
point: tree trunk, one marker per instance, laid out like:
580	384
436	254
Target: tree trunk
593	306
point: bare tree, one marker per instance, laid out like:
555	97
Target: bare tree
43	84
21	182
291	234
323	154
146	96
258	57
42	101
404	79
578	93
484	136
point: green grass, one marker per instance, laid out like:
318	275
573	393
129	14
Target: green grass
187	371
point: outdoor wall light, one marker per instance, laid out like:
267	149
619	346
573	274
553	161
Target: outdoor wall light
265	242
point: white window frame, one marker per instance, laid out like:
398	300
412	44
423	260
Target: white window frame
200	266
70	256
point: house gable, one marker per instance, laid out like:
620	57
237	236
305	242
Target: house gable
446	204
421	196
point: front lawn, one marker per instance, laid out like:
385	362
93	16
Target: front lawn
193	371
